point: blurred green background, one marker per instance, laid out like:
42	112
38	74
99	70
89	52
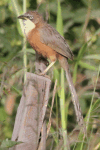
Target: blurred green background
81	29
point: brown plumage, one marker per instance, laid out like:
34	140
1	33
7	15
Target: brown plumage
40	47
47	41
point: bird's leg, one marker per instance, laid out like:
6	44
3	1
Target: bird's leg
44	72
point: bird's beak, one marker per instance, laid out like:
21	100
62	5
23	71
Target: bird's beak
22	17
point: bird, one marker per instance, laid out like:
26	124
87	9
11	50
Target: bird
44	39
48	42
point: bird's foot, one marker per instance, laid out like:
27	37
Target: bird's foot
43	74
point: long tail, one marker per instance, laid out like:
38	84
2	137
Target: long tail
75	100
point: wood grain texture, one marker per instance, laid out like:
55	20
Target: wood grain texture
31	112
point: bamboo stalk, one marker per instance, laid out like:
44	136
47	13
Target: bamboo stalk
62	94
24	47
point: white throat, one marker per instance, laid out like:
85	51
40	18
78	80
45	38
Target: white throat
28	26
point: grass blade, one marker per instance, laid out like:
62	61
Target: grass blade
62	96
24	47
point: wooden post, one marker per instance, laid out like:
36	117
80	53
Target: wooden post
29	122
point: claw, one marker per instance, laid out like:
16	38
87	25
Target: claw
43	74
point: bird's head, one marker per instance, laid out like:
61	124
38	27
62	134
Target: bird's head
30	20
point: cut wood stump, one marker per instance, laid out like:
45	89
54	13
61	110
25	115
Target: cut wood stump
31	113
30	126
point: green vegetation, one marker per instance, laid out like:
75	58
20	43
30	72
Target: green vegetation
79	22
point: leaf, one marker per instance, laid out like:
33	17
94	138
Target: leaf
80	15
87	66
59	20
81	51
93	57
97	32
96	105
15	7
3	114
29	50
95	13
16	90
3	14
95	4
85	2
7	59
4	149
68	25
69	13
56	75
53	7
9	143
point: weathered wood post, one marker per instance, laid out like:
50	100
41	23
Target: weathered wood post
29	122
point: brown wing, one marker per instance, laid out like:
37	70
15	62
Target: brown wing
52	38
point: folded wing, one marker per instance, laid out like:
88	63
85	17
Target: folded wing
50	37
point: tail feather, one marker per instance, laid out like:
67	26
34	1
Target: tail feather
75	100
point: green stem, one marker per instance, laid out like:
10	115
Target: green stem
62	107
62	93
24	47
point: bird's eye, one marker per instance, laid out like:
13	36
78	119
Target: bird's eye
31	17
